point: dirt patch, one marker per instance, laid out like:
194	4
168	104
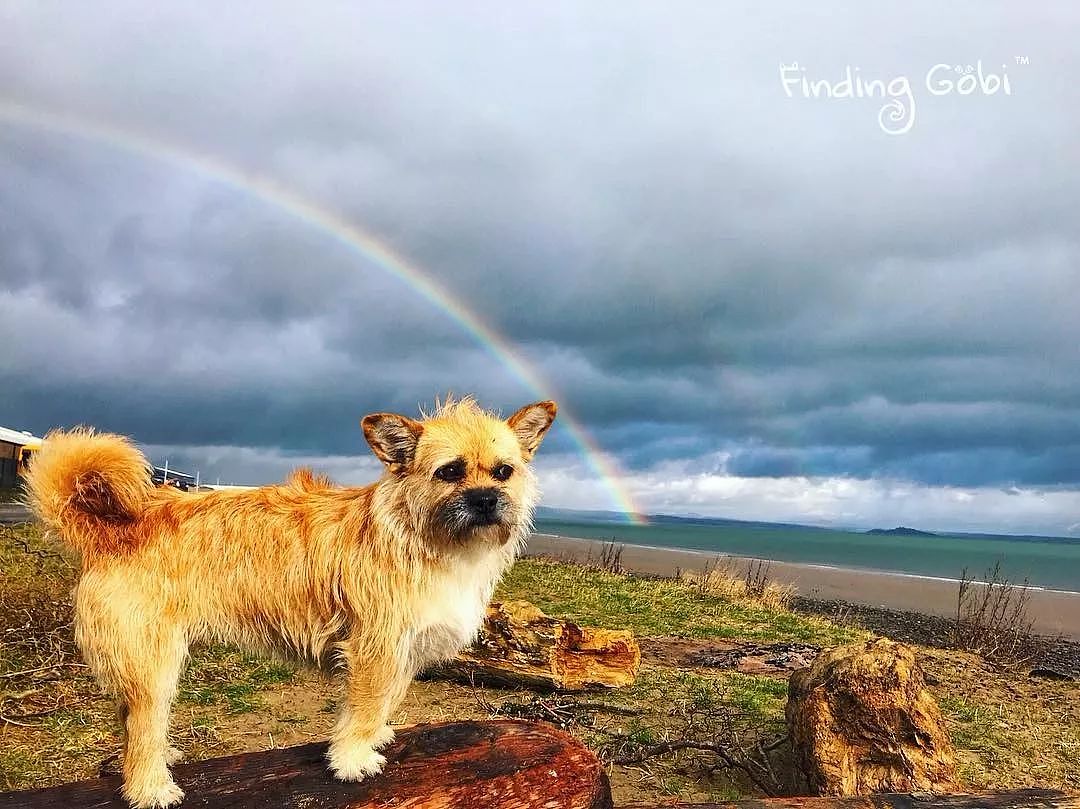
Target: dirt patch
303	711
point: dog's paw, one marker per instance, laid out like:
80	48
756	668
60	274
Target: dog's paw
153	796
382	737
174	756
355	762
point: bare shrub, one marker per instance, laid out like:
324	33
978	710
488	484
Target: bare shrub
609	559
707	732
758	580
992	619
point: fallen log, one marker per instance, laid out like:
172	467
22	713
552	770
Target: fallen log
521	647
460	765
1015	799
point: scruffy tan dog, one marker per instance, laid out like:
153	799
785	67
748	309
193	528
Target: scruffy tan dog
382	579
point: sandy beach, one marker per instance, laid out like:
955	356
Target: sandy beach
1054	612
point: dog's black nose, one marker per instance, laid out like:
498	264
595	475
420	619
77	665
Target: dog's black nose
483	501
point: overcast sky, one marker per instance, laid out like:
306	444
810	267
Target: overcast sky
761	304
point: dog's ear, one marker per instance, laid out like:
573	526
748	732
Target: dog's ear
392	438
529	425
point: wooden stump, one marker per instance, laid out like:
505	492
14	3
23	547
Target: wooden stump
519	646
862	720
466	765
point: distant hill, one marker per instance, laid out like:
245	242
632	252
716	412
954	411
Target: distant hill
901	531
616	518
576	515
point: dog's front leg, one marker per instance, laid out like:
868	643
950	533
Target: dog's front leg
377	681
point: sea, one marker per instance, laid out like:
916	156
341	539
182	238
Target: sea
1051	563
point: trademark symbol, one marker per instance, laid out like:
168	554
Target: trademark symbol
1021	60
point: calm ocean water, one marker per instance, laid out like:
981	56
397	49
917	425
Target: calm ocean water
1049	563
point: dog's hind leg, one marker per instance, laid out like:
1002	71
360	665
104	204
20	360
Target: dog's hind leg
172	756
137	653
147	695
377	682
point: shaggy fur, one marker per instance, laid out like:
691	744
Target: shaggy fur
381	580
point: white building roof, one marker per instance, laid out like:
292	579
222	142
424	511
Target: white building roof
20	437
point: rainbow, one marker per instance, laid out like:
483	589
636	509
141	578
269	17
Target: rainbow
348	235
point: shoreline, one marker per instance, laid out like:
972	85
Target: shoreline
1054	612
724	556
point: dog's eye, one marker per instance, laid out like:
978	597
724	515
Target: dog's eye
502	471
451	472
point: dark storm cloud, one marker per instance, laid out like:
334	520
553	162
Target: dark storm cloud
705	270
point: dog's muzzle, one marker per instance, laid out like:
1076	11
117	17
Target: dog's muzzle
474	508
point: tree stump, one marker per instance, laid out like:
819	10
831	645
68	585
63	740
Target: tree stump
520	646
460	765
862	720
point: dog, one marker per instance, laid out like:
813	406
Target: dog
380	580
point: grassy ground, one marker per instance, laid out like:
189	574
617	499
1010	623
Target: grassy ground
55	726
658	606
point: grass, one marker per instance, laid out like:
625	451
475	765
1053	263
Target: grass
759	698
996	740
228	678
659	690
659	606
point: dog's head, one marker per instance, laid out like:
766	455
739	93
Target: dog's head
462	474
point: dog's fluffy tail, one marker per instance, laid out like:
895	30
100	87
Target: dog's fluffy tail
89	487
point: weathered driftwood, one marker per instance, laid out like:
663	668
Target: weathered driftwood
862	720
520	646
1016	799
466	765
